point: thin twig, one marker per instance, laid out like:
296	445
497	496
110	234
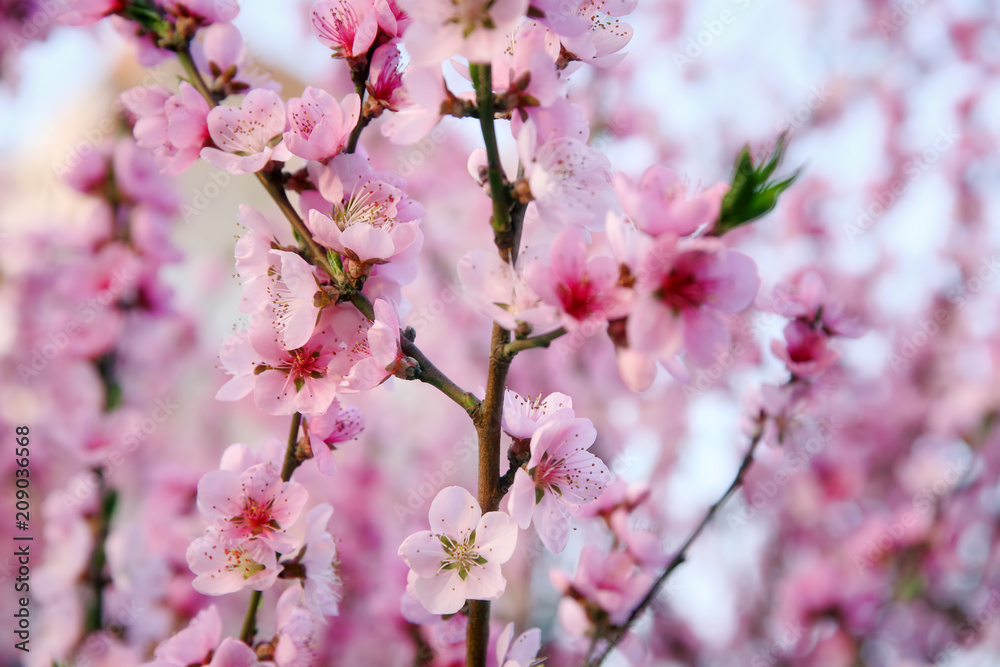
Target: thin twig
521	344
619	631
427	372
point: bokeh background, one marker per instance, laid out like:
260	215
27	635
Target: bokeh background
893	113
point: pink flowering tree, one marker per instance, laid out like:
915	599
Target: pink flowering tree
455	189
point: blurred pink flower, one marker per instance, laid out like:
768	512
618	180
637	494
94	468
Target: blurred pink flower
475	29
660	204
583	290
806	351
520	652
683	289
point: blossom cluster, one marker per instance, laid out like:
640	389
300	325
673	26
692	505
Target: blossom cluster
636	279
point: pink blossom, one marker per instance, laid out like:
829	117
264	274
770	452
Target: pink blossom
350	27
583	290
87	12
283	381
419	103
460	557
194	644
807	298
475	29
523	416
532	58
138	177
290	292
320	126
338	424
806	351
373	223
601	45
520	652
610	581
221	56
373	348
617	495
682	292
210	11
147	104
659	203
222	567
642	546
569	180
320	582
556	17
254	260
385	77
255	505
249	136
299	633
561	472
187	127
230	653
502	292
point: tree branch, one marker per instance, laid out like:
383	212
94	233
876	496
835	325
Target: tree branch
291	462
618	632
489	413
359	75
503	231
521	344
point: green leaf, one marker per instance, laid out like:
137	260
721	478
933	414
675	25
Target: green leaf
472	537
539	494
462	572
299	383
481	561
448	544
751	194
148	18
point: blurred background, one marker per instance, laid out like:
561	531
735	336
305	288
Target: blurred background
892	110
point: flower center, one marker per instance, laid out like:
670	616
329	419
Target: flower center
240	562
255	517
461	556
578	298
370	207
685	287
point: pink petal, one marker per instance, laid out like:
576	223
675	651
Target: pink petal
485	582
652	327
496	537
233	653
274	394
552	523
423	553
637	370
218	494
705	335
367	242
739	282
521	503
454	512
444	593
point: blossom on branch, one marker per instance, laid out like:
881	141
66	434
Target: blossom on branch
459	558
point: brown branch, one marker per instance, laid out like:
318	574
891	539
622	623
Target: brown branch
619	631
